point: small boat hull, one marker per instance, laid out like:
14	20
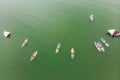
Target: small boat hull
102	49
6	34
24	43
111	31
97	47
33	55
72	53
91	18
105	42
72	56
58	48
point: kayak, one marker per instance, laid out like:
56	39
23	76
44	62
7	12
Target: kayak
58	48
33	55
99	46
24	43
105	42
72	53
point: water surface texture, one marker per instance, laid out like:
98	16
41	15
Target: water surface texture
47	22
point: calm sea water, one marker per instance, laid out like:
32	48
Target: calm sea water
47	22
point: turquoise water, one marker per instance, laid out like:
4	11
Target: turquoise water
47	22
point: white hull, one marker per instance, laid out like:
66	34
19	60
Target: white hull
24	43
33	55
103	50
58	48
105	42
111	31
6	34
72	53
91	17
99	47
72	50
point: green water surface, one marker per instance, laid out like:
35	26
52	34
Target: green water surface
47	22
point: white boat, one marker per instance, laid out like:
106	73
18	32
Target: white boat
24	43
111	31
105	42
99	46
58	48
72	53
33	55
91	17
6	34
114	33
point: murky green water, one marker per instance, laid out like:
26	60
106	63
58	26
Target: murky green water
47	22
